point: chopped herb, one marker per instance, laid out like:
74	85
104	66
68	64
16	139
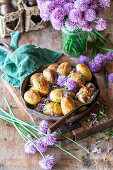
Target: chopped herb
107	140
6	124
86	154
91	136
89	120
69	76
38	81
59	95
80	76
57	100
84	121
4	139
40	78
96	140
75	149
82	157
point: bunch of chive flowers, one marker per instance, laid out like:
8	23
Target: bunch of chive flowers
74	14
97	63
38	137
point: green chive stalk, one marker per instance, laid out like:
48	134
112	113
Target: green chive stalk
24	128
74	42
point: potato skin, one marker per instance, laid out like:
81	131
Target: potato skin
35	76
32	97
84	94
53	66
57	94
67	104
42	86
85	71
64	68
50	75
53	109
78	103
78	78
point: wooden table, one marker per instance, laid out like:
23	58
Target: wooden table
12	155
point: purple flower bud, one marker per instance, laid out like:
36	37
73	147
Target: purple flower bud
71	85
30	148
47	162
110	77
61	80
101	25
50	139
109	56
43	126
42	147
83	60
90	15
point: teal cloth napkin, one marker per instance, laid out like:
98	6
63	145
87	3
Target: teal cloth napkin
25	60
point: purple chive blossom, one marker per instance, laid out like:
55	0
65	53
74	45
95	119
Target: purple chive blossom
68	7
42	146
109	56
90	15
101	25
104	3
71	84
100	59
70	25
75	15
30	148
47	162
97	150
56	18
110	77
61	80
43	126
87	27
81	5
50	139
83	60
94	66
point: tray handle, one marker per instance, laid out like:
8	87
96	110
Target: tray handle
7	48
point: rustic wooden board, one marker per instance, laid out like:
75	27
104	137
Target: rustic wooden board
84	130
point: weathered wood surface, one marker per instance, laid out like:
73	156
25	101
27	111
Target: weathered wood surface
12	155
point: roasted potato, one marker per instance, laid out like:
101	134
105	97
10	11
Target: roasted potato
32	97
64	68
42	86
79	78
78	103
85	71
50	75
84	94
57	94
53	109
36	76
53	67
91	86
67	104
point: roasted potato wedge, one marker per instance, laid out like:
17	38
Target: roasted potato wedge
67	104
64	68
57	94
50	75
36	76
79	78
84	94
53	109
53	66
32	97
42	86
85	71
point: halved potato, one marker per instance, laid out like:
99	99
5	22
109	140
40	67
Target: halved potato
35	76
53	109
50	75
84	94
42	86
57	94
79	78
85	71
64	68
67	104
32	97
78	103
53	66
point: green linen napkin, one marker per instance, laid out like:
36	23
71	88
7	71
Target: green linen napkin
25	60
